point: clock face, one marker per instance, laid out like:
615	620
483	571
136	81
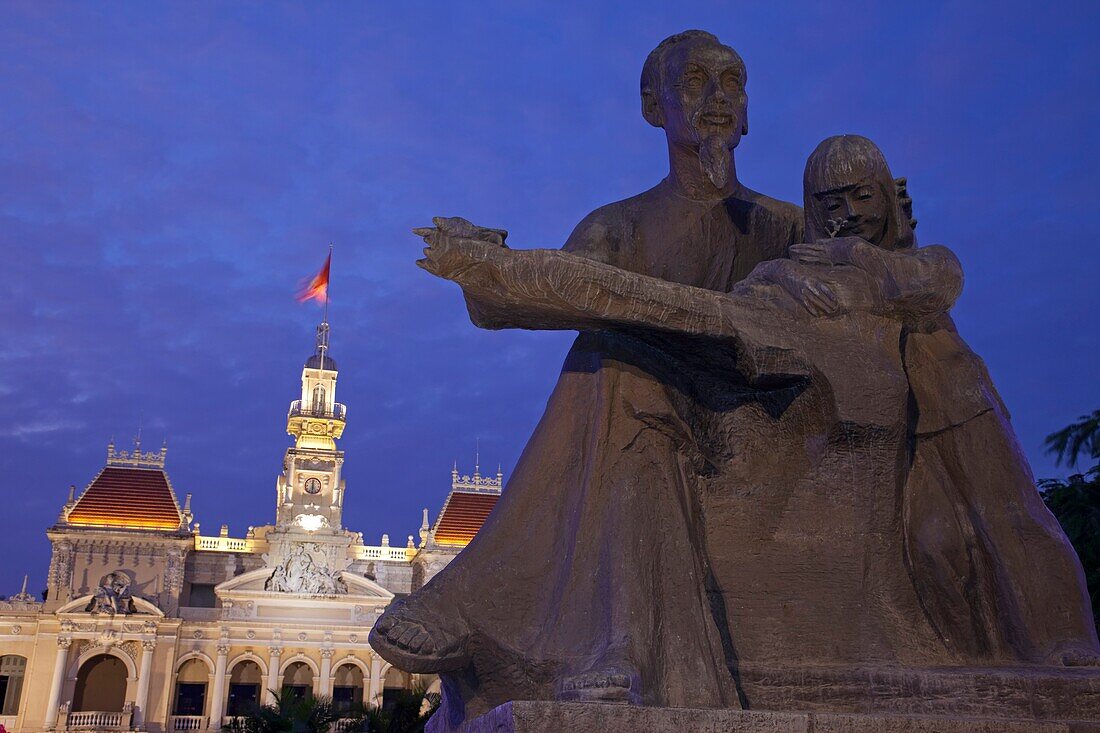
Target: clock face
313	486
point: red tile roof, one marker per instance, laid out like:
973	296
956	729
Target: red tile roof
138	498
462	516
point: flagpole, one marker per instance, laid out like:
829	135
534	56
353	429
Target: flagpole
323	347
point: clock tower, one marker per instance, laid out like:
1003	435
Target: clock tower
308	548
310	491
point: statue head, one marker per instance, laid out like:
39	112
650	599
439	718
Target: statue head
693	87
849	192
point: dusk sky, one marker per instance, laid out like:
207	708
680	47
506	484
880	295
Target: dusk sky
170	172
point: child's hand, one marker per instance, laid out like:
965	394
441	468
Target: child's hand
838	251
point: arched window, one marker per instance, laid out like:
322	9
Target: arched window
319	399
101	685
298	681
245	683
347	687
12	669
191	688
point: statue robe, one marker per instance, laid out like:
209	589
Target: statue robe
995	572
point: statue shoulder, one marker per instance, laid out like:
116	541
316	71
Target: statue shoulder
605	233
782	211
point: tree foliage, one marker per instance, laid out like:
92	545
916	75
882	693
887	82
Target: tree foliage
408	713
1082	436
289	714
1075	501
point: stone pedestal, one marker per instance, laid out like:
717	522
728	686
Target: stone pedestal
1024	692
838	700
557	717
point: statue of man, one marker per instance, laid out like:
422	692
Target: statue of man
595	552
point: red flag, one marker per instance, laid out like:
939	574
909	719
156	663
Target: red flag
318	286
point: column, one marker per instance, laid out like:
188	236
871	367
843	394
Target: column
144	672
274	685
59	666
216	704
325	688
374	697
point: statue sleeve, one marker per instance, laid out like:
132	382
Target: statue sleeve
558	290
917	284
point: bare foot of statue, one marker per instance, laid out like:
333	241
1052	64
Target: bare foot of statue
614	685
1075	655
418	642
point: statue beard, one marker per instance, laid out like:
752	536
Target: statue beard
714	159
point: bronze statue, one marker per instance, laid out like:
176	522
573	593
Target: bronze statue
732	474
589	521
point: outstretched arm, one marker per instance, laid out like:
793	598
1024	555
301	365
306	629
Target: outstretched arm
916	283
556	290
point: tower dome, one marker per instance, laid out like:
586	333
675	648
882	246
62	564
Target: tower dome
315	362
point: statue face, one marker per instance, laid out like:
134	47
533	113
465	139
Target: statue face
703	94
856	209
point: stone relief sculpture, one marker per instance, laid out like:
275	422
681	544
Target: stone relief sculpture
768	449
112	596
306	570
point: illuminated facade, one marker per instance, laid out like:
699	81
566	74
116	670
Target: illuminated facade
148	624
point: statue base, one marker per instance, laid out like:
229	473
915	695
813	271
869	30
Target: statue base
555	717
839	700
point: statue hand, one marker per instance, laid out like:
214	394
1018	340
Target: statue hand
455	245
836	251
807	290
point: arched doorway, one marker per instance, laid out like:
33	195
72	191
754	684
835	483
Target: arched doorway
298	681
12	670
101	685
245	682
347	687
395	683
191	680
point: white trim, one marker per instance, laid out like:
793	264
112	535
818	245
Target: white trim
194	654
355	662
246	657
300	658
95	651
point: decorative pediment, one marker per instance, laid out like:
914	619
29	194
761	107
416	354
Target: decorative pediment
82	605
247	597
255	583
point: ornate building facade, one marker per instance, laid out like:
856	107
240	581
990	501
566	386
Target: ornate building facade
149	624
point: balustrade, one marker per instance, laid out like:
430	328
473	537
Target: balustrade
98	720
188	722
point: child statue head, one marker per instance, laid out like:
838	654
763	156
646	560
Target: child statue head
849	192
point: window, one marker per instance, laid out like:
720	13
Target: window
190	698
191	688
347	689
245	682
12	668
243	699
296	692
202	596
